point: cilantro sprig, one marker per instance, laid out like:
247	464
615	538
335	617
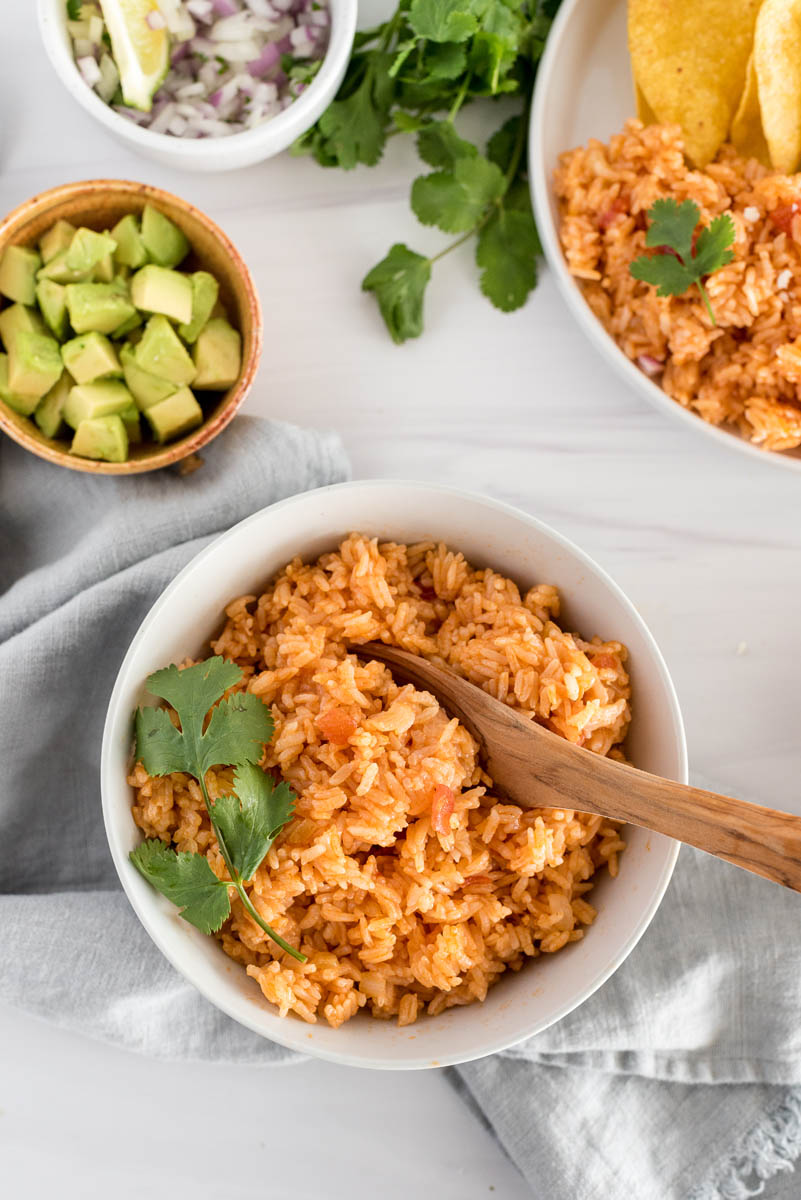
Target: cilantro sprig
684	259
413	75
215	730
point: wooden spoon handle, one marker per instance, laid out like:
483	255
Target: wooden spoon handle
537	769
524	759
762	840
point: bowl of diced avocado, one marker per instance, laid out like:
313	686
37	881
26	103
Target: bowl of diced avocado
129	323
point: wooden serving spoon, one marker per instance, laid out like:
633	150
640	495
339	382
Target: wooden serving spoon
538	769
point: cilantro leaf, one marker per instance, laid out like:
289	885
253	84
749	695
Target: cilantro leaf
673	225
455	200
680	264
74	10
234	735
193	690
665	272
407	122
159	745
251	820
445	60
399	283
353	129
187	880
490	60
507	251
443	20
712	246
501	145
440	145
238	730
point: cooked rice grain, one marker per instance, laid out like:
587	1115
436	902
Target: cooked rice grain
395	917
745	371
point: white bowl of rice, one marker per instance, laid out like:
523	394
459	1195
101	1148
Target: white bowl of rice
429	941
226	101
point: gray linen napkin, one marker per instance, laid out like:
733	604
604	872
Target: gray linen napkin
679	1080
82	558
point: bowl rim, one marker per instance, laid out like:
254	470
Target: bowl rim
115	717
245	146
550	79
15	221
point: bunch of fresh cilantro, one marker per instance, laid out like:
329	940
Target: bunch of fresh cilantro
215	730
413	74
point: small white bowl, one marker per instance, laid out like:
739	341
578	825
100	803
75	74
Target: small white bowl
213	153
490	534
584	89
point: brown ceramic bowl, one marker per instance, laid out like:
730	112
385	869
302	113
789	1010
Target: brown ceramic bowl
99	204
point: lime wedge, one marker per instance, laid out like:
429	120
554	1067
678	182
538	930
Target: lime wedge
140	46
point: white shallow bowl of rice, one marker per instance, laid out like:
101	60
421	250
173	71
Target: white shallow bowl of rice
490	534
585	90
222	153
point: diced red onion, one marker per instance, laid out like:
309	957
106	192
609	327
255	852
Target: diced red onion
269	57
225	73
650	365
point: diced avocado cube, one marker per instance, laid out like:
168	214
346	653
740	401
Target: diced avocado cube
104	271
160	290
21	404
128	326
130	250
59	272
91	356
101	437
18	268
205	290
57	238
16	318
98	307
49	415
162	353
147	389
52	299
176	415
87	249
130	419
89	400
217	356
34	363
164	242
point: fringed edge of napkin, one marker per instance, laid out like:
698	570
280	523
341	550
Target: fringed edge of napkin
773	1145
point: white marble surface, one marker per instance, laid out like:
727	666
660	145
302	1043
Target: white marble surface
519	407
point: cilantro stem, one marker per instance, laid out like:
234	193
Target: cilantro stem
511	172
705	298
459	101
390	29
236	881
464	238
